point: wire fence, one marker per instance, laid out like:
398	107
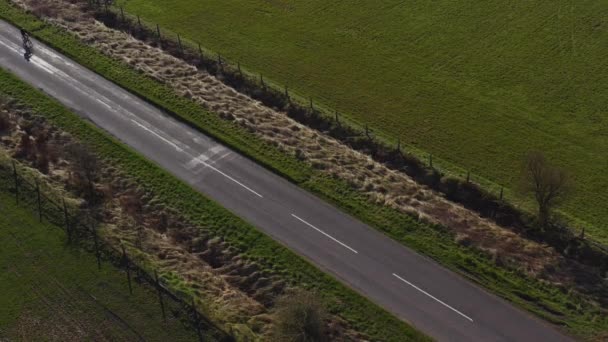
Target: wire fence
82	229
474	192
269	92
359	136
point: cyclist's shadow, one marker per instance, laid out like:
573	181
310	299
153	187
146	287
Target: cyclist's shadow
28	53
27	45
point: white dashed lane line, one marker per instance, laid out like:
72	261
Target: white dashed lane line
432	297
232	179
104	101
324	233
180	149
202	160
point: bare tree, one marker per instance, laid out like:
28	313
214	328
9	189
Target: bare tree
5	123
549	184
85	164
300	318
132	206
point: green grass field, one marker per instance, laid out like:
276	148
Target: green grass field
475	84
364	315
578	317
50	291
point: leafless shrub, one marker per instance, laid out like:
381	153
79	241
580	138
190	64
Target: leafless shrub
85	165
25	148
84	161
5	123
300	318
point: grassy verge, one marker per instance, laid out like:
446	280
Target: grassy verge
51	290
548	302
443	77
361	313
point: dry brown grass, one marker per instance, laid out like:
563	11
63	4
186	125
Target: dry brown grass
122	205
382	185
233	292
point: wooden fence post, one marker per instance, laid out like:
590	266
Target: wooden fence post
122	14
200	52
67	222
16	182
311	106
125	260
160	39
39	201
179	41
337	118
501	192
262	81
197	321
139	22
286	93
97	249
160	296
239	67
468	176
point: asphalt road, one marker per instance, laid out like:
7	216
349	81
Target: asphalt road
414	288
